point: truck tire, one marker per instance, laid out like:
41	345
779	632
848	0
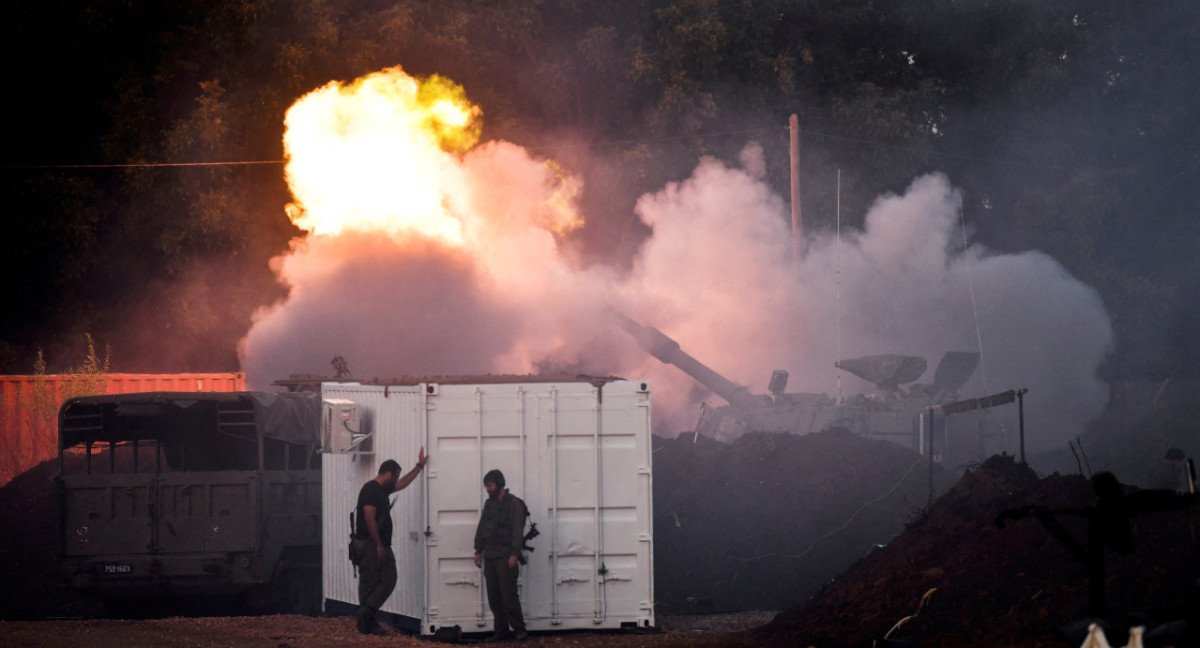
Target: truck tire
139	607
298	591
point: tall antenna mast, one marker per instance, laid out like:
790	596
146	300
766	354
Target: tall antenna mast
838	301
974	308
797	223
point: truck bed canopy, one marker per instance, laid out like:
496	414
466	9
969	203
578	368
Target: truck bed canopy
292	417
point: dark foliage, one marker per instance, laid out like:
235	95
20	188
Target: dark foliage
1070	127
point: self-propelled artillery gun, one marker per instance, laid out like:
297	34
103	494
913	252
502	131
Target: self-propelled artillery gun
897	411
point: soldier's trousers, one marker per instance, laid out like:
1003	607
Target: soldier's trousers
503	597
376	580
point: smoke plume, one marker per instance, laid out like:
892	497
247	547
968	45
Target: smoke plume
499	294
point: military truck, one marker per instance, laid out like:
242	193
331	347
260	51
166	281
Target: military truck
171	494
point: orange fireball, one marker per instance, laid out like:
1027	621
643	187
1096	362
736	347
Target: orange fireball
373	155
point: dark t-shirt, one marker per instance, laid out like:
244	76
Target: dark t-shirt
373	494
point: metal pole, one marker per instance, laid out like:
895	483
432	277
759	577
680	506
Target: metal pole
482	609
598	537
1021	418
797	223
930	502
555	619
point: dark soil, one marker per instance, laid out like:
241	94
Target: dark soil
284	631
1011	586
28	550
763	523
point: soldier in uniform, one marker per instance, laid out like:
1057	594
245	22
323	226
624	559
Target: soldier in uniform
373	540
499	539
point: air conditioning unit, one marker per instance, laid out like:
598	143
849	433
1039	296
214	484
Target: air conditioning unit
341	428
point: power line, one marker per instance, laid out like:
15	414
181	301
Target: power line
135	165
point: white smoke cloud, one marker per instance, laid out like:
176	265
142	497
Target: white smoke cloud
715	274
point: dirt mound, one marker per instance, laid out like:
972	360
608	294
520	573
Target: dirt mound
764	522
1015	585
28	551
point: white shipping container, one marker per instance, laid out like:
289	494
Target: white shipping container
577	453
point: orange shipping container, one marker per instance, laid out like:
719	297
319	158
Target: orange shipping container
29	407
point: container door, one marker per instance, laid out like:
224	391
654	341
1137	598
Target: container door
580	459
574	510
598	496
625	549
472	429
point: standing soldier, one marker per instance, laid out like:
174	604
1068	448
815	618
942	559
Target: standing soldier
373	540
499	539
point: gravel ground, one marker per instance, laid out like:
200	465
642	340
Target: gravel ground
284	631
731	622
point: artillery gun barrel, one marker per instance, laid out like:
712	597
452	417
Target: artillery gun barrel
659	345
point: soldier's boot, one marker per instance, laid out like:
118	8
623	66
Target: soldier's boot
366	620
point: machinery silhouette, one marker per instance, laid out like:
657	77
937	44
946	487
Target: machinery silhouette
895	412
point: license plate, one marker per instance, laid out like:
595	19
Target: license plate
116	569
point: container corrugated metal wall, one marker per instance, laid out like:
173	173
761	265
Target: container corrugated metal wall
395	415
29	407
577	454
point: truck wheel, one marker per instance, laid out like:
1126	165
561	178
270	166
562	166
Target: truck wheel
260	600
139	607
298	592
